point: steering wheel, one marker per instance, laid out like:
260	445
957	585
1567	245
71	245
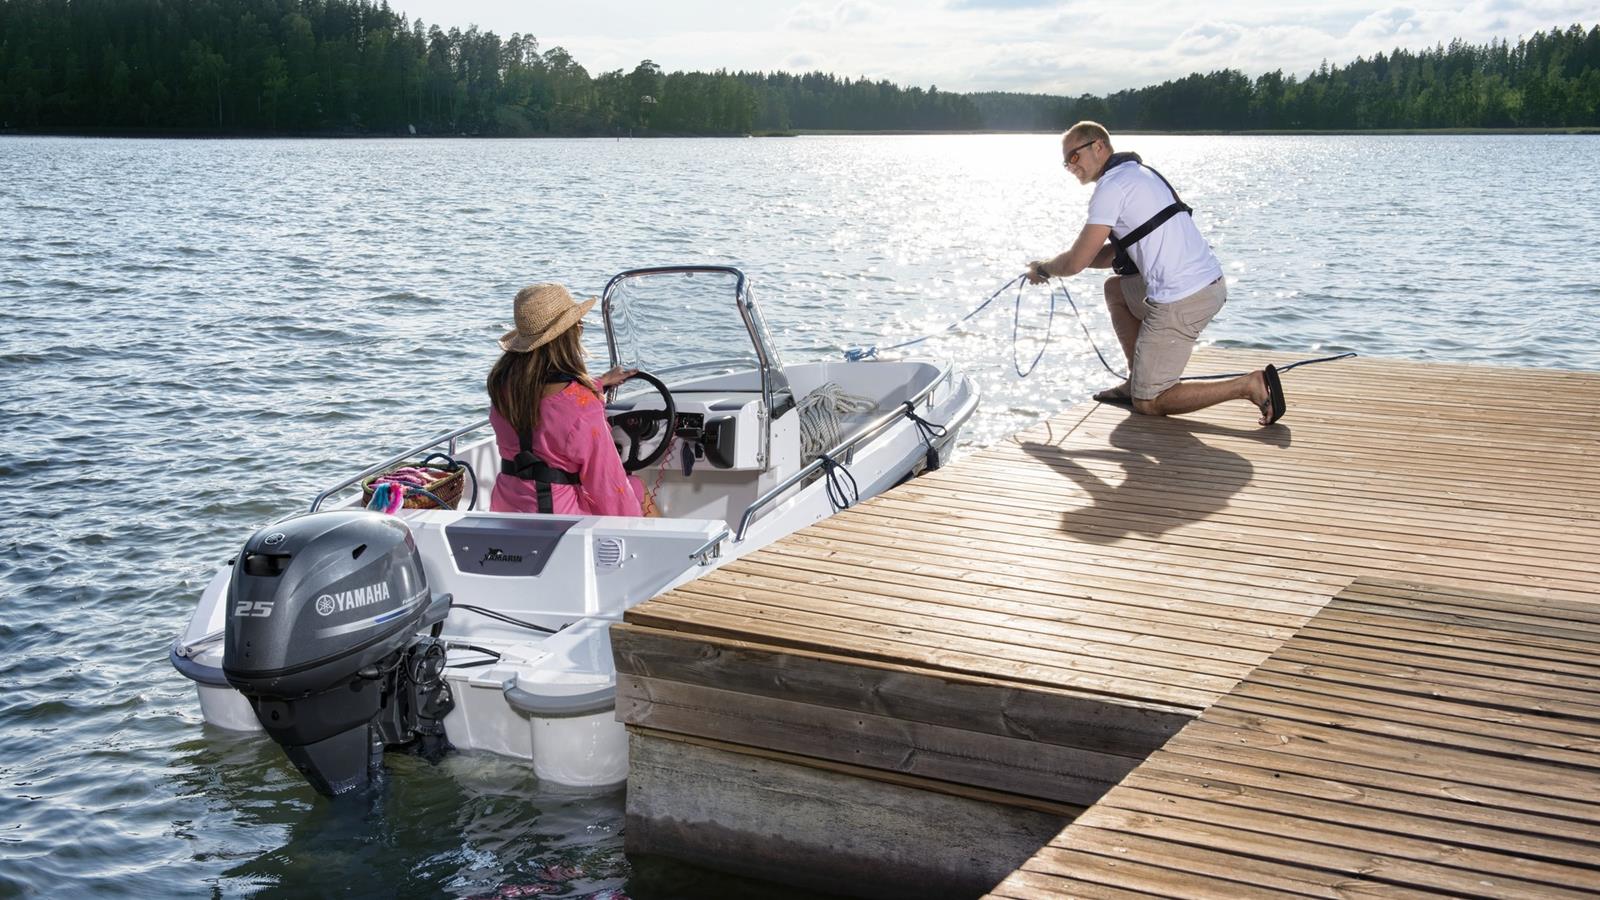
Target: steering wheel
641	425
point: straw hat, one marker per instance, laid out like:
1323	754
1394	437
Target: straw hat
543	312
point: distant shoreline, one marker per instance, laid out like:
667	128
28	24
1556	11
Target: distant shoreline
185	134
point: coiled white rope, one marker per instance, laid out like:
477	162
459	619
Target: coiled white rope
821	413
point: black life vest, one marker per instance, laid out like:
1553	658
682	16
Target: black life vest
529	467
1121	262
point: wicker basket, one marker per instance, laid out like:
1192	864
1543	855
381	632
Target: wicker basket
447	487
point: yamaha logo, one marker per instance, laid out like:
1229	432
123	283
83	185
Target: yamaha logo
355	598
274	539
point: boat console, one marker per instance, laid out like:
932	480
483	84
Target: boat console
720	427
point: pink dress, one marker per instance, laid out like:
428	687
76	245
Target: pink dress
572	435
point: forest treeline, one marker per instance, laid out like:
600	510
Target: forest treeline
352	66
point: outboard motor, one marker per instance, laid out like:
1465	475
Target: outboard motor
324	615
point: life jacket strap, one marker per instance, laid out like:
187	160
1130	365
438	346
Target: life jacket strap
1122	263
528	466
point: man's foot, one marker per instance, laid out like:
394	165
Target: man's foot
1266	392
1119	394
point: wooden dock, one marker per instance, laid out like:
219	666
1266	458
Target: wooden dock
914	696
1409	740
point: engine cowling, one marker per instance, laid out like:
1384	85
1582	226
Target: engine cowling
323	613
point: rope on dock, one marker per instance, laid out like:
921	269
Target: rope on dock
856	354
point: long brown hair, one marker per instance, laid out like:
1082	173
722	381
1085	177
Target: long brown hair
516	383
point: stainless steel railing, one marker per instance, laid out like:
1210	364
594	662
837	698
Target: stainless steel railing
870	430
398	458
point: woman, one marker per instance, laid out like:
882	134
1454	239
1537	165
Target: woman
556	453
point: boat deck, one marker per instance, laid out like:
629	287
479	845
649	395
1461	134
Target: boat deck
1031	623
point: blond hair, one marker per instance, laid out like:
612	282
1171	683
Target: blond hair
1088	131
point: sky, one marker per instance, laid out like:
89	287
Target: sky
1065	47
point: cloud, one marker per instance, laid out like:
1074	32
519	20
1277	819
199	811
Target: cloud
807	17
852	12
1207	38
1395	22
1001	4
1066	47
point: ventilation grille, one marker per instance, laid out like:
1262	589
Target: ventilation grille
608	553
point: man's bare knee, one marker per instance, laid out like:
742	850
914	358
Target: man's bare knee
1150	407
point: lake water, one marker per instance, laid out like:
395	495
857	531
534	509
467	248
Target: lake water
201	334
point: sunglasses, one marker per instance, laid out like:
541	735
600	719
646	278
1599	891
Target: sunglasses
1075	152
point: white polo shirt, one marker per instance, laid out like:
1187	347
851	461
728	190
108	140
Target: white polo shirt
1174	259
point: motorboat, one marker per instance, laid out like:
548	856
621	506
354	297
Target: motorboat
343	632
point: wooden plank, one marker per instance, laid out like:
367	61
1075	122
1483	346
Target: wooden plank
1067	672
1449	643
1415	774
1569	710
937	553
1015	766
1286	549
1156	457
1484	761
1320	644
1024	884
1201	462
1374	789
1192	650
1370	430
951	547
1265	804
1243	732
1228	869
1217	472
1120	553
1488	604
1287	845
1181	440
988	706
1118	504
1116	873
960	545
802	627
1424	862
1485	712
1402	513
1062	811
1446	628
1123	504
829	578
1189	652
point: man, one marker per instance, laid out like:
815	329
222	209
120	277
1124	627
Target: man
1172	288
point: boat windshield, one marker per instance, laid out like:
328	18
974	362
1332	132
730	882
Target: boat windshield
684	321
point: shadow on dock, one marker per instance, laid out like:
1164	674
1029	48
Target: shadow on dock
1145	448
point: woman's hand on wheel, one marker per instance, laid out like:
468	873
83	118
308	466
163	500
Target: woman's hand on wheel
615	377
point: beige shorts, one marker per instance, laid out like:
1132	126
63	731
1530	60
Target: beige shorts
1167	333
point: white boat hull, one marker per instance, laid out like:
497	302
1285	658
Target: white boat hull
550	699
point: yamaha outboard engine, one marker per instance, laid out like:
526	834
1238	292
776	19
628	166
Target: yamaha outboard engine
323	637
